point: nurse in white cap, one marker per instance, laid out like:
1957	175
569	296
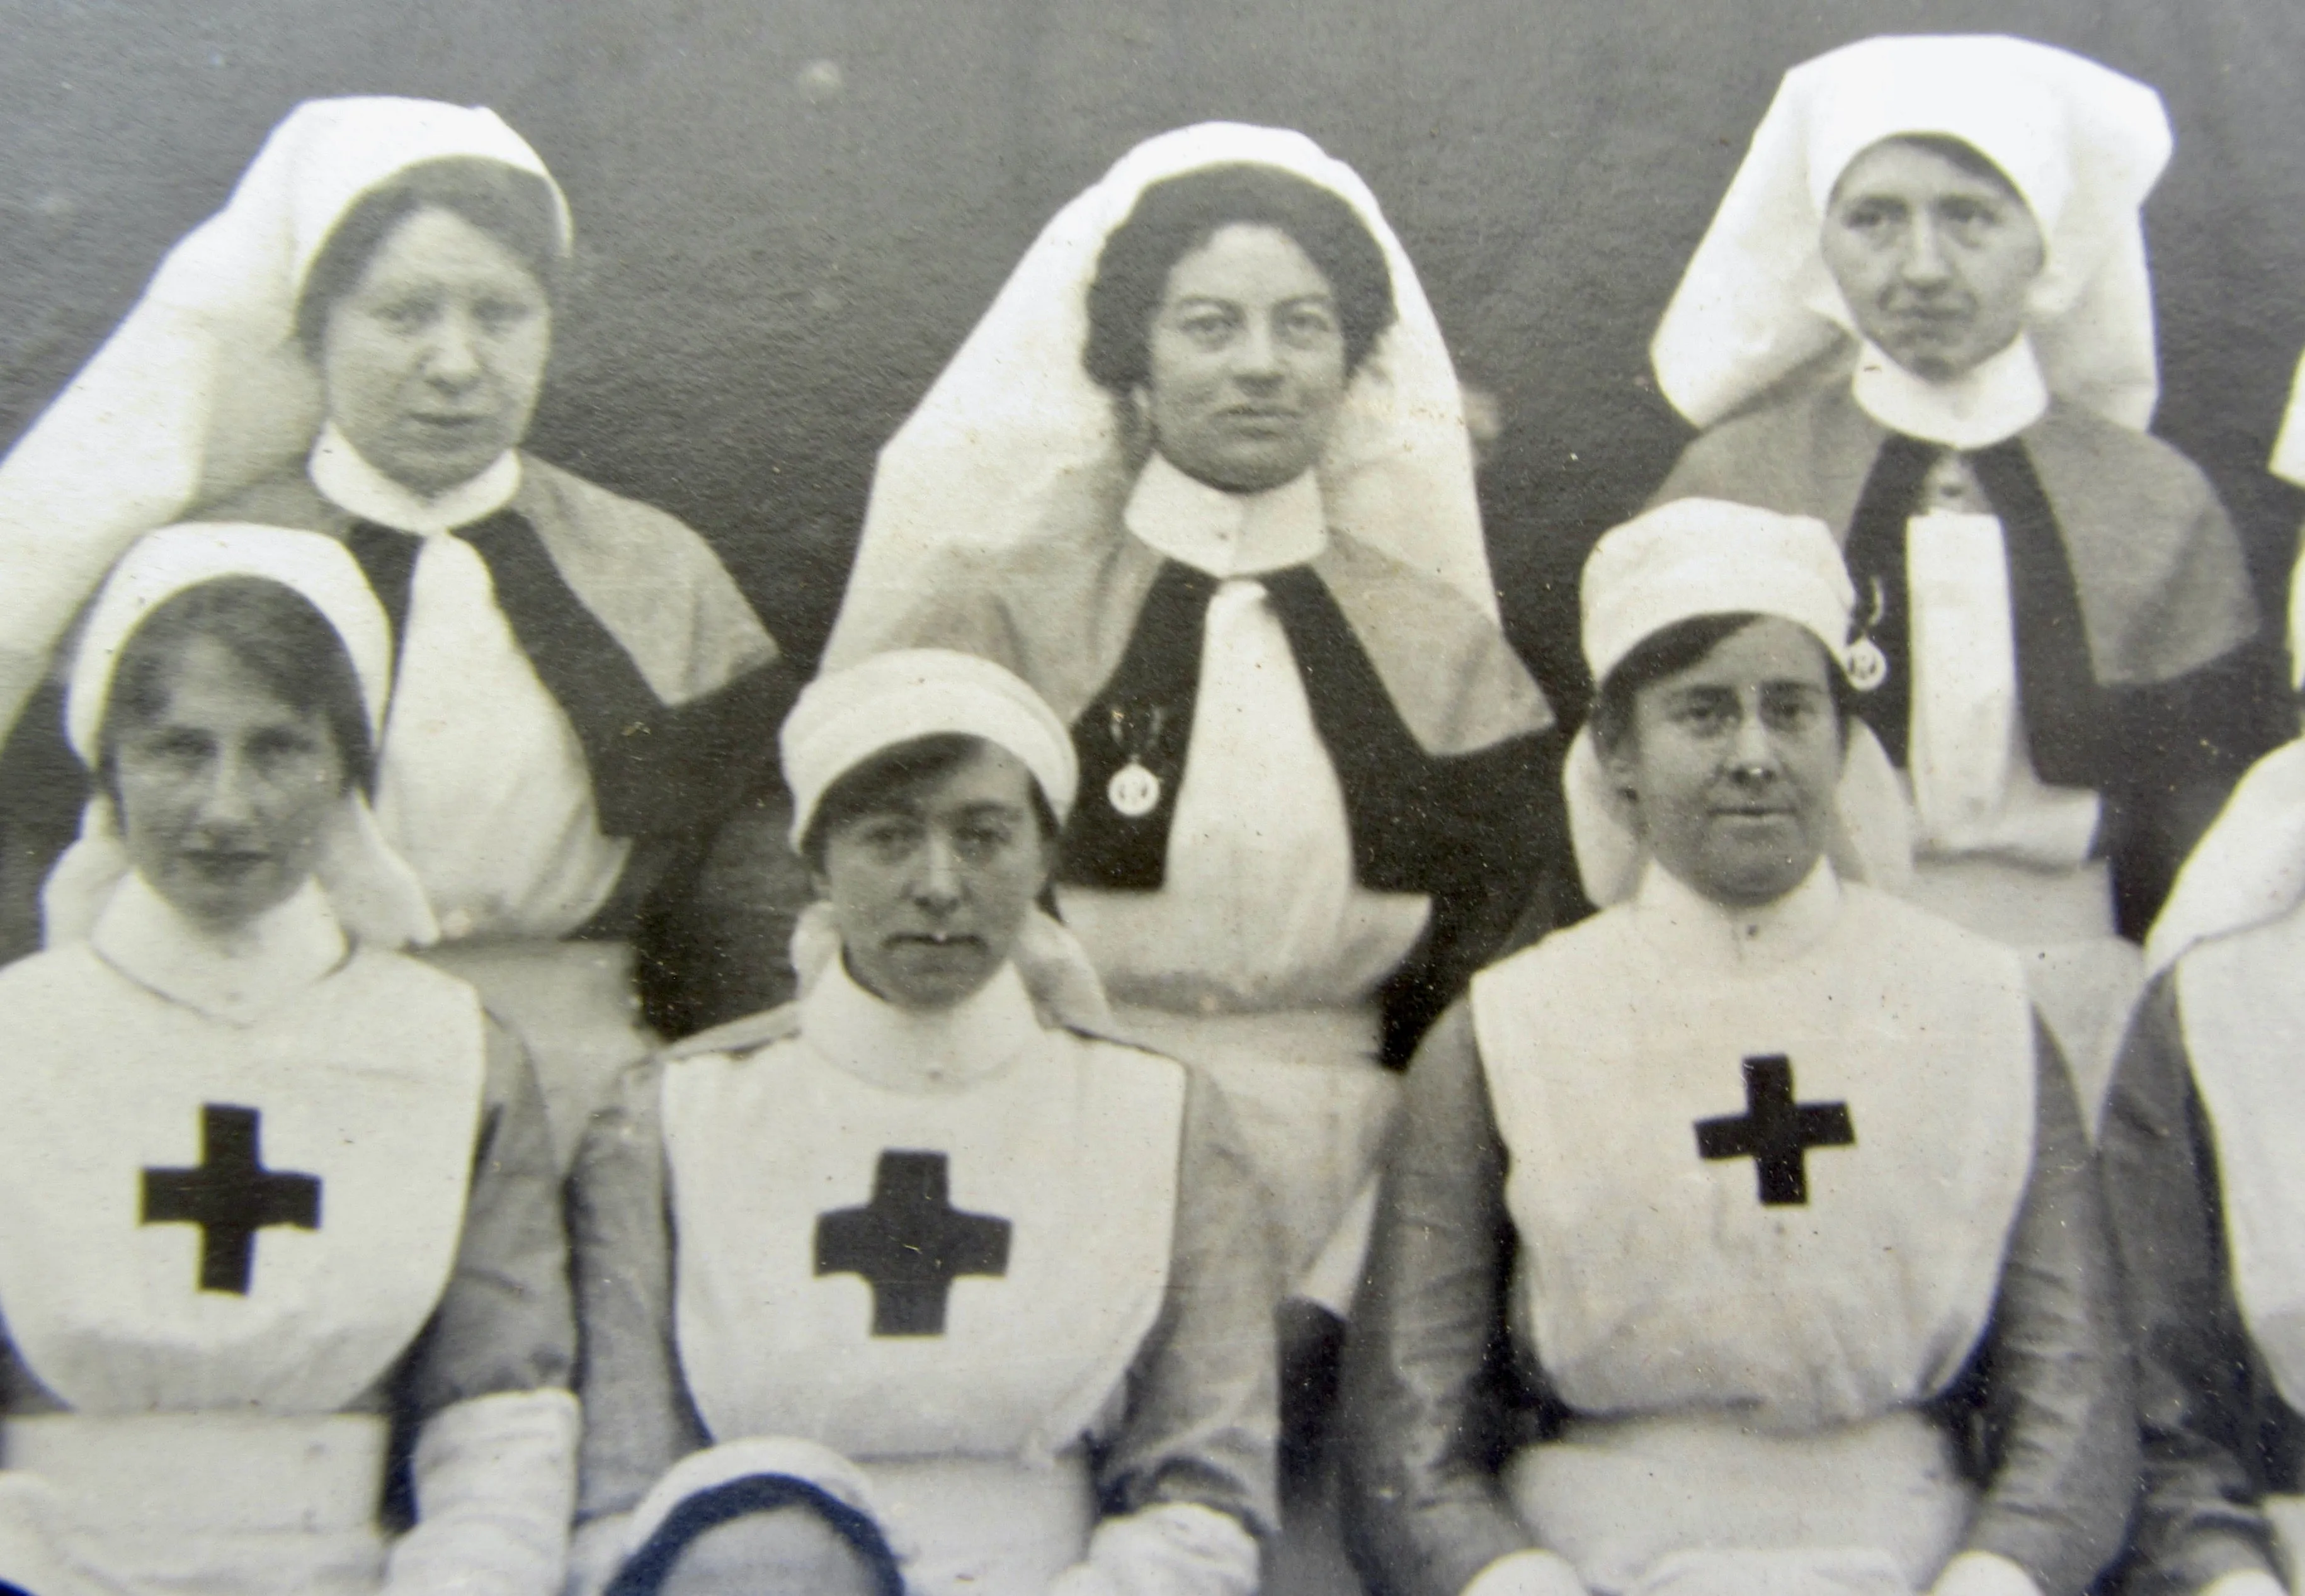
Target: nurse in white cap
1922	315
1015	1275
1769	1180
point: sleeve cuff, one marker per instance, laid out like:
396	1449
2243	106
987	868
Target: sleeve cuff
1527	1573
1983	1574
1172	1549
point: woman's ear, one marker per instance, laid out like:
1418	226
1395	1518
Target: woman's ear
1619	762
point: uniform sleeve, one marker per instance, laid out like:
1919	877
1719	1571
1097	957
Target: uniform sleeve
2060	1429
638	1418
1423	1410
1203	1400
2197	1521
505	1322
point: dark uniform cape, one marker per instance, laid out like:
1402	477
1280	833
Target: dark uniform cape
1438	733
674	688
2134	673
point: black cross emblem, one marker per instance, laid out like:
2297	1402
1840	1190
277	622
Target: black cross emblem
230	1196
1776	1132
910	1243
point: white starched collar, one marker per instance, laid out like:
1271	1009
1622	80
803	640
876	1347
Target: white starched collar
1997	399
237	976
947	1050
1694	931
1227	534
343	474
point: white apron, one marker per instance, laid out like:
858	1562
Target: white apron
948	1286
213	1237
1763	1213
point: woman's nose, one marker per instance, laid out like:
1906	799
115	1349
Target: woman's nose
1752	752
1924	259
228	798
1255	354
938	882
454	354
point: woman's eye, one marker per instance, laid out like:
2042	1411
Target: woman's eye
1308	326
502	316
405	316
1871	218
1208	329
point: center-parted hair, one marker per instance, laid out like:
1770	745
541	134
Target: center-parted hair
1178	214
274	632
515	208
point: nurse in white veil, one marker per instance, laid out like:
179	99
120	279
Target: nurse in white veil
1201	476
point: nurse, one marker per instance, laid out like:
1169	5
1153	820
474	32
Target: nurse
1201	476
276	1201
1011	1276
1741	1238
355	345
1922	315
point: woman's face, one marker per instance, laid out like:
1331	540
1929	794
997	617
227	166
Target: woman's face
1732	764
931	889
1245	361
1933	260
433	360
224	793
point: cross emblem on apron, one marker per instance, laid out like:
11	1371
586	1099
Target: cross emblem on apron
910	1243
230	1196
1776	1132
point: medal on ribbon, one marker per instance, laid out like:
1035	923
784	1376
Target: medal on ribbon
1134	790
1866	665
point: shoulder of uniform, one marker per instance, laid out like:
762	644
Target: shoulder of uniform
1929	941
586	499
736	1038
285	497
2155	460
1566	946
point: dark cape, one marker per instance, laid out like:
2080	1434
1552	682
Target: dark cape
671	684
2135	623
1441	740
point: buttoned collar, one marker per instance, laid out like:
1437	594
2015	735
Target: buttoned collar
1227	534
1995	399
1694	931
236	977
947	1050
343	474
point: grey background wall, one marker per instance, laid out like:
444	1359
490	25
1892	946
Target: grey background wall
779	256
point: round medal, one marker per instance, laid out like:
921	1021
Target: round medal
1134	791
1869	667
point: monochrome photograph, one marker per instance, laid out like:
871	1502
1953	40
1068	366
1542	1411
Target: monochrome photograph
1357	798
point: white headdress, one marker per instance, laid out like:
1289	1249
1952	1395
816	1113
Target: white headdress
1016	441
1696	558
374	892
2083	143
846	717
202	389
757	1458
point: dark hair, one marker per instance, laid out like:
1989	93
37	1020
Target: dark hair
1961	152
881	780
1670	651
515	208
643	1573
1178	214
274	634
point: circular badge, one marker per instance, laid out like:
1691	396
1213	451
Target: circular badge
1869	667
1134	791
